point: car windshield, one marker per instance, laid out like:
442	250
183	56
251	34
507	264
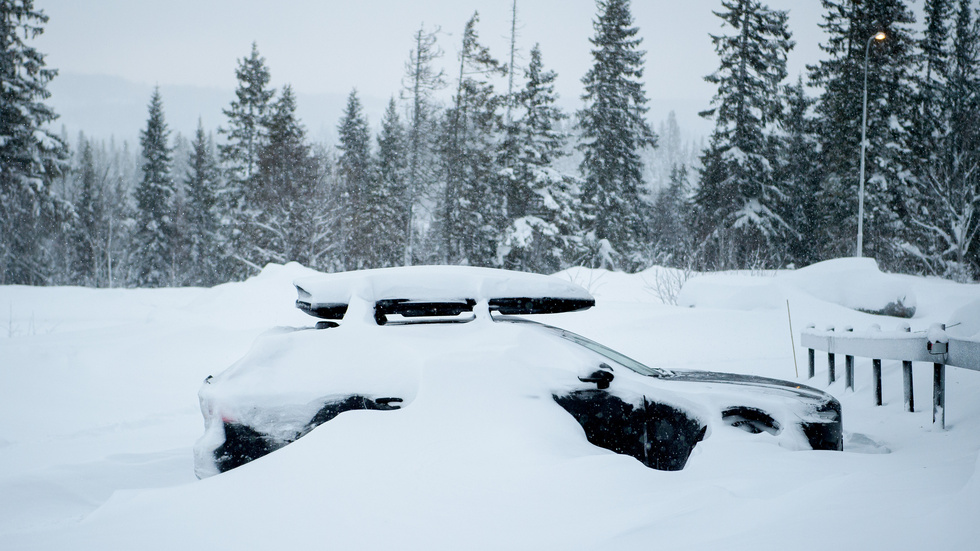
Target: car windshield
608	353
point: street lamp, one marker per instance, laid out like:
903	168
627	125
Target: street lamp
879	36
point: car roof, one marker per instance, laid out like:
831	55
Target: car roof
416	290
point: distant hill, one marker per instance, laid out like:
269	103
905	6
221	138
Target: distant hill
108	106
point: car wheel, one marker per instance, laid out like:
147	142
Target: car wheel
662	437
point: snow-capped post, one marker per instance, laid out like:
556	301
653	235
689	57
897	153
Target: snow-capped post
938	346
849	365
876	369
811	368
831	361
907	375
789	316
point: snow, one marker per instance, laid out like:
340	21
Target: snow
854	283
99	414
434	283
965	321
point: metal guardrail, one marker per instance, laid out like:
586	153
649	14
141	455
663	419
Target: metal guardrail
933	346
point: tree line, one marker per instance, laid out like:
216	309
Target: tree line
779	180
499	176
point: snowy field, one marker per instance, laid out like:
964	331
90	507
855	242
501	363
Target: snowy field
99	412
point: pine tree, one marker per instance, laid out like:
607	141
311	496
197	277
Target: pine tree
669	152
287	199
850	27
89	224
30	155
94	244
543	212
470	214
247	119
944	205
798	173
385	215
739	199
180	238
421	82
355	176
613	132
156	255
964	107
121	168
246	137
203	240
934	69
671	221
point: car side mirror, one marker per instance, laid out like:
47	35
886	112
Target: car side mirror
601	377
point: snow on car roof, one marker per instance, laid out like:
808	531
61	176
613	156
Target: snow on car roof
510	292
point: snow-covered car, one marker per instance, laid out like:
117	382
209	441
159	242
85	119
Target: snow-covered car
449	340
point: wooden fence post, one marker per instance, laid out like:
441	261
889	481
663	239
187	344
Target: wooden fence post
849	366
831	361
876	369
907	377
939	393
811	368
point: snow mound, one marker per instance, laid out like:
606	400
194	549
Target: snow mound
730	291
965	322
434	283
263	300
653	286
856	283
281	272
98	395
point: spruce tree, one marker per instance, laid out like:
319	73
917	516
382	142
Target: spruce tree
964	107
471	216
203	240
798	173
247	119
543	210
245	138
89	223
671	221
670	151
850	26
96	235
944	204
30	155
288	223
121	168
355	176
385	213
613	133
155	249
934	59
422	80
739	198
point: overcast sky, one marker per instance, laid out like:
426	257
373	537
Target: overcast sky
330	46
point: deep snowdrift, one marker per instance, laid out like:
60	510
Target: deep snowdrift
98	414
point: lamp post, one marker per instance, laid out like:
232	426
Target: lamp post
879	36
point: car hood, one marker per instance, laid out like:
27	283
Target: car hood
763	384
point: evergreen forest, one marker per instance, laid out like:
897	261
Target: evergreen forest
481	167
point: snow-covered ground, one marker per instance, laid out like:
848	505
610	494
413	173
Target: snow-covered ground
99	413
